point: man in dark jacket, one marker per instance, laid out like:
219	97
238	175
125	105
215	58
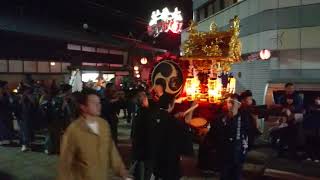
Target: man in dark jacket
231	139
110	108
247	107
143	138
166	150
26	117
290	91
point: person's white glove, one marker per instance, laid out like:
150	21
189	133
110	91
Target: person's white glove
288	112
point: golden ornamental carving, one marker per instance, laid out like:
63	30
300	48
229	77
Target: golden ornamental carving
213	46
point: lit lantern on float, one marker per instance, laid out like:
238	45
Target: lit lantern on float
144	60
136	68
192	88
212	93
190	91
232	85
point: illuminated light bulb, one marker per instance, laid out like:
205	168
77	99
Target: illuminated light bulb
52	63
144	60
136	68
265	54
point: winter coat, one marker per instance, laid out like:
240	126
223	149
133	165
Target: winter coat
85	155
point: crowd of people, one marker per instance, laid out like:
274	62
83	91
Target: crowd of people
88	123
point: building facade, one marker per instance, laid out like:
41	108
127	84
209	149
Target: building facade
290	29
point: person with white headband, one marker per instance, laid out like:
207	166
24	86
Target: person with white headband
231	138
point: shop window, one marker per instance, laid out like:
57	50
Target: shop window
92	76
88	64
15	66
88	49
3	66
56	68
102	51
43	67
108	77
30	66
74	47
102	64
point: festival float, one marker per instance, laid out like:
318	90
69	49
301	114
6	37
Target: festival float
201	78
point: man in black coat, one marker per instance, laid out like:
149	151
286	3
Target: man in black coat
143	126
167	148
231	139
247	107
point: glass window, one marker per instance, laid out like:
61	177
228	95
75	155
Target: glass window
202	13
108	77
210	9
3	66
74	47
86	77
228	3
205	11
198	15
218	5
88	49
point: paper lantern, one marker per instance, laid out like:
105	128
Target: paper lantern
144	60
265	54
136	68
212	92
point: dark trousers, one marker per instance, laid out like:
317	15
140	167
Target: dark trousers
288	137
143	170
26	132
131	108
113	123
232	171
312	145
53	140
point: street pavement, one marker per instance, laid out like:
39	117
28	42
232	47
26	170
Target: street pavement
262	164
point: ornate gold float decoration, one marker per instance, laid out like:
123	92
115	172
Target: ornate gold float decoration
213	53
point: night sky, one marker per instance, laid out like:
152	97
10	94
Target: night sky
127	18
